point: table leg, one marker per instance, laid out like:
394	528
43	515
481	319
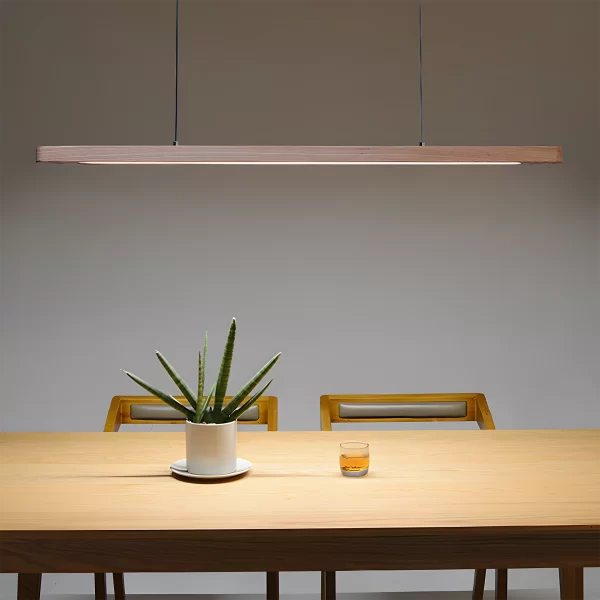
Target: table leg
100	586
29	586
327	585
478	584
119	585
501	584
273	586
571	583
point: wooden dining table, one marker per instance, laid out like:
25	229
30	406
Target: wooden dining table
107	502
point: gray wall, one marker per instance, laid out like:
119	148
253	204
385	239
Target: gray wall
368	279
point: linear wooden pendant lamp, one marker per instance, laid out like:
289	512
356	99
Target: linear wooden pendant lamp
299	155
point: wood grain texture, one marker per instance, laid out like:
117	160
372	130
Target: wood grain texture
100	481
478	584
100	586
501	584
453	499
119	586
297	550
272	586
571	584
483	414
328	587
297	154
29	586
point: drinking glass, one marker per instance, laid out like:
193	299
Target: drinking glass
354	459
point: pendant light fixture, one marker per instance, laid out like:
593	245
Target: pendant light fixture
299	155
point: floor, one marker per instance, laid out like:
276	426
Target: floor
513	595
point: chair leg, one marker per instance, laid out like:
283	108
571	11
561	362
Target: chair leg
478	584
501	584
29	586
327	585
571	583
119	585
100	586
272	586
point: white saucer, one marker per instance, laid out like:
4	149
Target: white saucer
180	468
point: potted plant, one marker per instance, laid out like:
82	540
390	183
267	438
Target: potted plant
211	428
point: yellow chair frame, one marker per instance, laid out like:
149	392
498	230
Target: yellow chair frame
477	410
119	412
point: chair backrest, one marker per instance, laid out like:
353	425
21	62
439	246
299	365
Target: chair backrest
407	408
148	410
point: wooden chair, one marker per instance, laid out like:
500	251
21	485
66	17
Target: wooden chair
147	410
410	408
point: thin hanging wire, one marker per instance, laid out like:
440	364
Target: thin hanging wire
421	142
175	140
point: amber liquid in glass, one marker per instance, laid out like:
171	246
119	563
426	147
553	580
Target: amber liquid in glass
354	465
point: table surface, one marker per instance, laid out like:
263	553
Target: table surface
418	479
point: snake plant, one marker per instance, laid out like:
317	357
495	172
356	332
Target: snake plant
200	409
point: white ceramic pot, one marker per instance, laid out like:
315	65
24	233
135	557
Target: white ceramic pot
211	449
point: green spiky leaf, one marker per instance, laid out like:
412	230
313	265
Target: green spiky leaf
218	417
242	409
201	412
179	382
225	369
200	393
166	398
202	372
234	403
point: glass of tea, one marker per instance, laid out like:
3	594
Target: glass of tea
354	459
